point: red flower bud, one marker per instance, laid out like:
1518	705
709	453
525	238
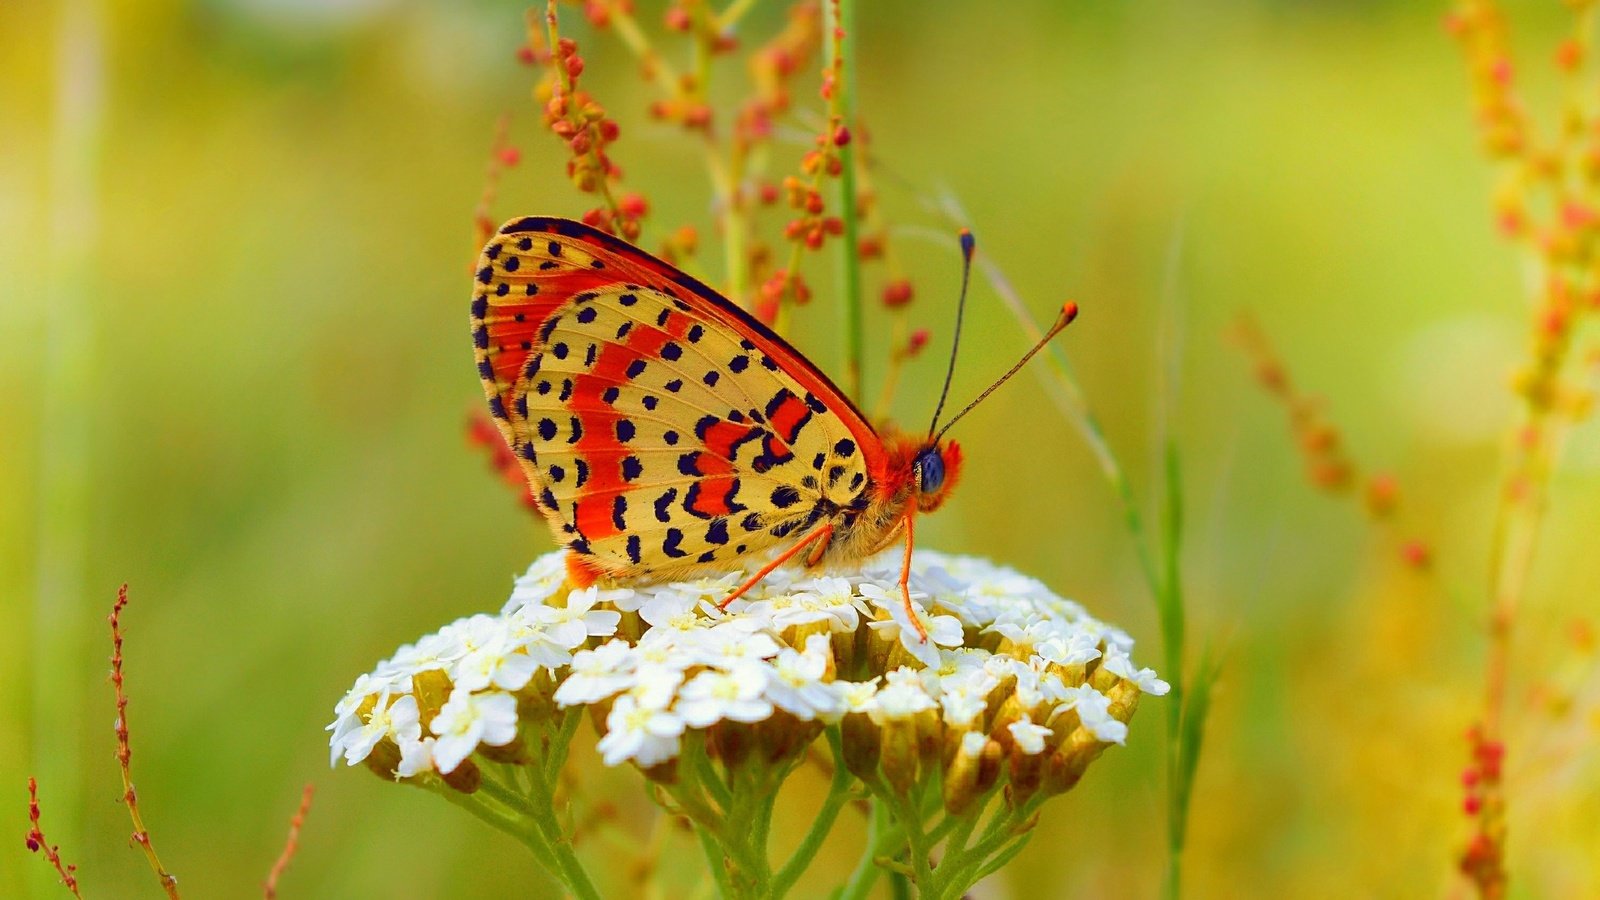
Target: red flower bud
897	293
633	205
510	155
1416	554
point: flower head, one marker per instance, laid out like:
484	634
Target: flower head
1006	664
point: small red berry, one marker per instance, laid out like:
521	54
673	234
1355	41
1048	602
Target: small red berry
633	205
897	293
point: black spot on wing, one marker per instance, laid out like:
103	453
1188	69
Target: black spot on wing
670	546
717	532
664	504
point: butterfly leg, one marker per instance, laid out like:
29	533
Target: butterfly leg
823	533
905	583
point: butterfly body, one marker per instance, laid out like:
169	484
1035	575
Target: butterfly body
665	432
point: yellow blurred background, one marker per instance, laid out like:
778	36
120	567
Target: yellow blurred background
234	368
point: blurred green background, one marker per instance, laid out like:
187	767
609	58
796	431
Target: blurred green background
234	366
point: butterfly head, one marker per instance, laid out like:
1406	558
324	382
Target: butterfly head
935	470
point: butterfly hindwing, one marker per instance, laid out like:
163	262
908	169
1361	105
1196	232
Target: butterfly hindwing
660	427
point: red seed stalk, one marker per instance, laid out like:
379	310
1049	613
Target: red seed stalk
291	844
1328	466
581	123
141	834
501	156
38	844
1550	214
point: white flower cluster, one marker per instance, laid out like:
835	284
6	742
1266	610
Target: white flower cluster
1005	659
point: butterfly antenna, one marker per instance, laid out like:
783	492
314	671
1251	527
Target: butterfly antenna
1069	311
968	244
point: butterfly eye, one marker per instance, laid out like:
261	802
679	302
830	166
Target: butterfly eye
930	470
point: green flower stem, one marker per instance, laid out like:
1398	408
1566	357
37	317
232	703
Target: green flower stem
961	830
744	834
516	826
841	16
838	795
491	787
727	829
963	867
716	861
556	756
881	837
1003	857
541	796
916	840
694	751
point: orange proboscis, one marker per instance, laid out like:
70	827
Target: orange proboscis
905	582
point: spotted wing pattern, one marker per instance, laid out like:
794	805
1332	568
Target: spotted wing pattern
661	428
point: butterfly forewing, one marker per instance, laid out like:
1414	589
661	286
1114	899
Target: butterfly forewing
661	429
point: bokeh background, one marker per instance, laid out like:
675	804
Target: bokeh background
234	368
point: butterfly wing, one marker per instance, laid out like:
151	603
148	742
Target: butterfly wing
661	427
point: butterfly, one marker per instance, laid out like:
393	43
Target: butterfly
665	432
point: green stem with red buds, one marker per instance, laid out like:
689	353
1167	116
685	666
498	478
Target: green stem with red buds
841	57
